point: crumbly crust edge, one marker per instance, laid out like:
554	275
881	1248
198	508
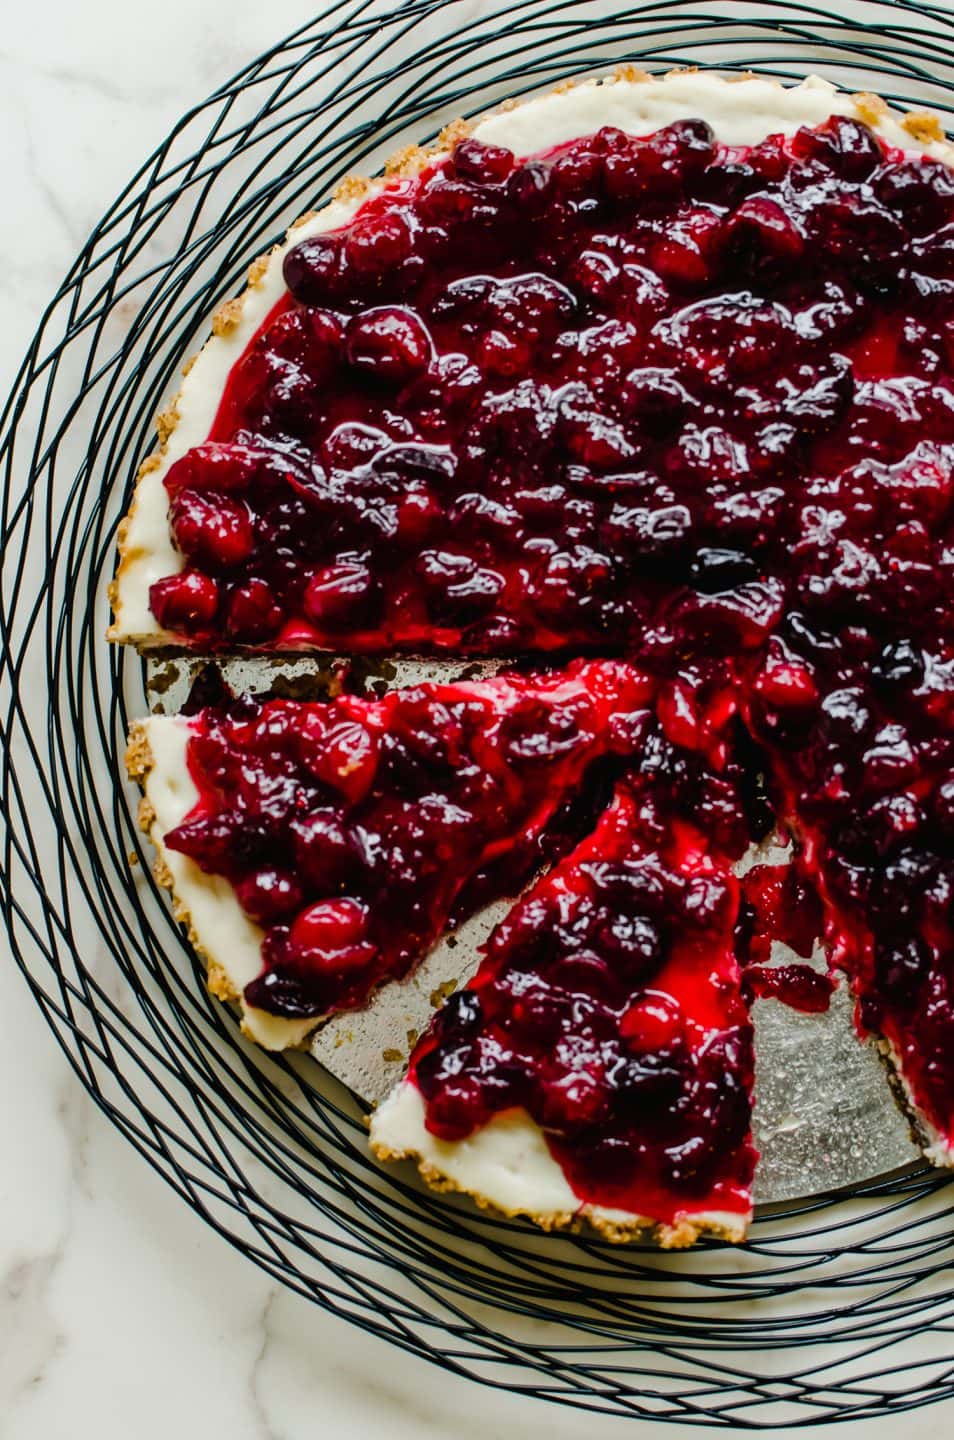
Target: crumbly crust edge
139	762
619	1232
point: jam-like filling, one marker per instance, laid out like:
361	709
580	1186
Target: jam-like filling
608	1006
353	831
624	393
684	403
798	986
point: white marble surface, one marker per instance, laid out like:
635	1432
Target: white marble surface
120	1313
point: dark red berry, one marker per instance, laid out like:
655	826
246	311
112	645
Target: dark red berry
340	594
188	601
268	895
314	269
252	613
214	531
389	343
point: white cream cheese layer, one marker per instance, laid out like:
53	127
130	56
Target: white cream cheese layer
507	1164
741	112
229	940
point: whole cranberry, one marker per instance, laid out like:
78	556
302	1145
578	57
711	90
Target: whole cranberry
346	760
920	190
457	587
596	274
573	1100
652	1023
579	169
657	396
188	601
643	173
583	973
353	443
418	512
340	595
209	840
503	354
845	146
456	1107
269	894
682	261
482	164
311	338
216	467
332	934
863	236
389	342
216	532
252	612
634	942
690	142
314	269
529	188
461	1015
786	684
761	236
379	244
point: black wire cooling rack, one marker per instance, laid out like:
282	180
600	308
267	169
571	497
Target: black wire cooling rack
841	1307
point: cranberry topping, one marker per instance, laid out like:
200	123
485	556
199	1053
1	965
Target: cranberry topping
608	1005
613	392
352	830
798	986
865	771
651	395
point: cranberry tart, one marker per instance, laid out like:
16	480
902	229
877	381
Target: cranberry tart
661	370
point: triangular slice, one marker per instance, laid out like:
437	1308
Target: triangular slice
599	1065
319	849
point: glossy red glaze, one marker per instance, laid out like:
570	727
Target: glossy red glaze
587	399
687	404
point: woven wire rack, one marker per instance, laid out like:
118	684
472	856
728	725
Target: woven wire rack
838	1307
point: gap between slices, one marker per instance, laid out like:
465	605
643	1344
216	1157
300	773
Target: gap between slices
699	413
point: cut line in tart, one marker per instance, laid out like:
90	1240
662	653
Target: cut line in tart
659	370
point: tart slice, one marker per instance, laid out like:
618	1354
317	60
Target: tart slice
317	850
599	1065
